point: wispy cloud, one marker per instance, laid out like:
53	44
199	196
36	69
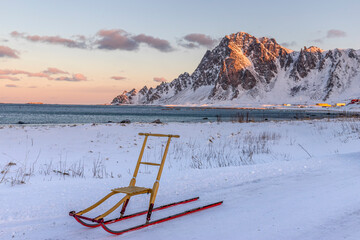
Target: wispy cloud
157	43
188	45
21	72
289	44
118	39
8	73
39	74
78	43
318	40
160	79
332	33
195	40
118	78
9	78
52	70
78	77
335	33
12	72
113	39
11	86
8	52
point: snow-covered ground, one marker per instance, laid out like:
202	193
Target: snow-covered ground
278	180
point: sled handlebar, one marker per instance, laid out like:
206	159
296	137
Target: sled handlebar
158	135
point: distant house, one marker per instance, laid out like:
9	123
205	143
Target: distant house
354	101
323	105
340	104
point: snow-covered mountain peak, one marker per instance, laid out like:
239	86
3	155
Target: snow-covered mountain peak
245	69
313	49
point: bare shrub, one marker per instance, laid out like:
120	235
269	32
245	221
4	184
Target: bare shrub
5	170
99	169
22	174
77	169
46	169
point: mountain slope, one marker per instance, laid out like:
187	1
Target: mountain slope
246	69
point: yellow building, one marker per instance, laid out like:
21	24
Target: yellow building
340	104
323	105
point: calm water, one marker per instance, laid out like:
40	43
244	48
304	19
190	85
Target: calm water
53	114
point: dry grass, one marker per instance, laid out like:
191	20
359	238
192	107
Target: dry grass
235	150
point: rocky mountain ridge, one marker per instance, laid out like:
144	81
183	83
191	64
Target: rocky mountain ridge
246	69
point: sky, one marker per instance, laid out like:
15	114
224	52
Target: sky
88	52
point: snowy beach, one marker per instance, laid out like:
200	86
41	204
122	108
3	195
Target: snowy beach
278	180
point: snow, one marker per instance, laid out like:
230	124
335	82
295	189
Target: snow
278	180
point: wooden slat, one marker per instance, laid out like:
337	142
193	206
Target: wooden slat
150	163
133	190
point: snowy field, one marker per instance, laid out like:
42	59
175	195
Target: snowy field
278	180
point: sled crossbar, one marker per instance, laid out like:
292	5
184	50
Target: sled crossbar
150	163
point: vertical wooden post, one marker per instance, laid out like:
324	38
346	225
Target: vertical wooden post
133	180
156	184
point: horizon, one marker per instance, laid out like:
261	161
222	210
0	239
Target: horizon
88	52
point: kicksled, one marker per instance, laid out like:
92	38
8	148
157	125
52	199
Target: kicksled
133	190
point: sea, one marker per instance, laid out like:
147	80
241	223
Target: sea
72	114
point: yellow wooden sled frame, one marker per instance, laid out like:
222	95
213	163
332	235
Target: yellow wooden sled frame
133	190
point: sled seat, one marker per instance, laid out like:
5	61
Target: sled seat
132	190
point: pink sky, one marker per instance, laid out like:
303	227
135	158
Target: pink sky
88	52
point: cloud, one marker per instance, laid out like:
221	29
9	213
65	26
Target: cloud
118	78
159	79
51	40
54	71
78	77
157	43
195	40
8	52
29	74
40	75
318	40
113	39
12	72
118	39
80	38
334	33
9	78
289	44
188	45
11	85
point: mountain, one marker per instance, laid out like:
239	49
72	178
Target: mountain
244	69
